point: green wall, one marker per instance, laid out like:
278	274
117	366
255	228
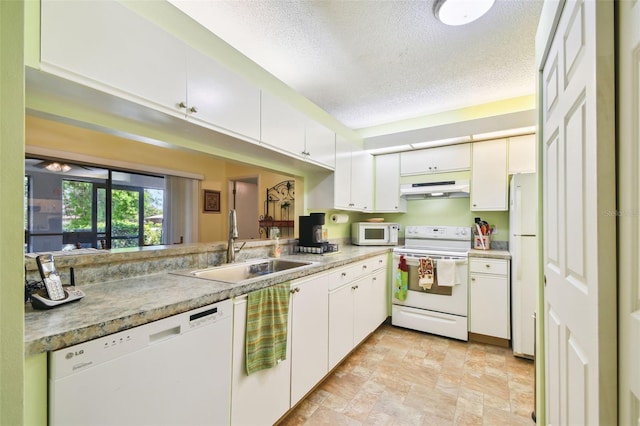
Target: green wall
11	214
451	212
35	390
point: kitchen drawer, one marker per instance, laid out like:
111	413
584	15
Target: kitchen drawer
376	263
356	270
489	266
345	275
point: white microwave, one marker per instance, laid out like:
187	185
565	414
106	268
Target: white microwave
374	233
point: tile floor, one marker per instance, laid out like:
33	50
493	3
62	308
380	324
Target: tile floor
404	377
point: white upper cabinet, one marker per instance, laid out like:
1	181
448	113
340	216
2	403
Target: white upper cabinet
489	186
216	95
282	125
522	154
106	46
436	160
289	130
320	143
109	47
361	180
342	176
349	187
387	182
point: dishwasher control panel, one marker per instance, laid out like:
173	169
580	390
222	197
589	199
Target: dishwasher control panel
73	359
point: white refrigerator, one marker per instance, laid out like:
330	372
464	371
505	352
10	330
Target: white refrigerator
523	245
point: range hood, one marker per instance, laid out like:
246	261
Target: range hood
442	189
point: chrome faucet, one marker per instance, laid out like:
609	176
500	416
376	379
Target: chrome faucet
233	234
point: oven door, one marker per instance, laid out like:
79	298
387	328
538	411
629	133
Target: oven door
449	300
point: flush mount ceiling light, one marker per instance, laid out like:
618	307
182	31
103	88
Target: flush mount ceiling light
460	12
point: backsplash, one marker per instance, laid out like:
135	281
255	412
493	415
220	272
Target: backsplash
96	266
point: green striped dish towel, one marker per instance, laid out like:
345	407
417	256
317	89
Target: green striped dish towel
266	335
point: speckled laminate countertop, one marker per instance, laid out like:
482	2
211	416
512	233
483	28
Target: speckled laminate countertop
494	254
117	305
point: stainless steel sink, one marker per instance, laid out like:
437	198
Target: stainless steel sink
235	273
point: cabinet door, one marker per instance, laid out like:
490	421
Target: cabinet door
453	157
362	309
265	391
309	334
282	126
489	305
489	176
379	299
361	180
342	175
320	143
435	160
417	162
387	184
340	323
221	97
522	154
103	44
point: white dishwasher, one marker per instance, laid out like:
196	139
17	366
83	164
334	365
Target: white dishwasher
174	371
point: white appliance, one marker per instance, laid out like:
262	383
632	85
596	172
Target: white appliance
174	371
441	311
523	245
374	233
442	189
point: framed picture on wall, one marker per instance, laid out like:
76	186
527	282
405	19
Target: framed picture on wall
211	201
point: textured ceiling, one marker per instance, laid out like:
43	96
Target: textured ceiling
374	62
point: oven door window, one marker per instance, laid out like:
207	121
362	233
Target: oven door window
435	288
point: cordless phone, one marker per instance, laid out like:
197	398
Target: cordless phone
53	294
50	277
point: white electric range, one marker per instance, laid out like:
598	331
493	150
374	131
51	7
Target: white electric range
439	310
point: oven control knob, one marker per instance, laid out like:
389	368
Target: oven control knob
462	231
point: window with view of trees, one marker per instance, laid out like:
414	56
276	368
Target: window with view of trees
91	207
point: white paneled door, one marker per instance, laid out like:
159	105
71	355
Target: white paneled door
629	210
578	156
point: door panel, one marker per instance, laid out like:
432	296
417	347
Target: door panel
579	241
554	383
628	208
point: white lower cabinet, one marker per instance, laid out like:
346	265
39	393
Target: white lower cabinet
341	308
309	334
489	297
264	396
322	331
357	305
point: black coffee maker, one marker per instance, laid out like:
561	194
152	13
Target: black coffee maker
310	230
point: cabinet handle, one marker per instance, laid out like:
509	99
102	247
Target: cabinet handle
193	109
487	265
344	274
364	266
355	287
294	290
182	105
473	278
